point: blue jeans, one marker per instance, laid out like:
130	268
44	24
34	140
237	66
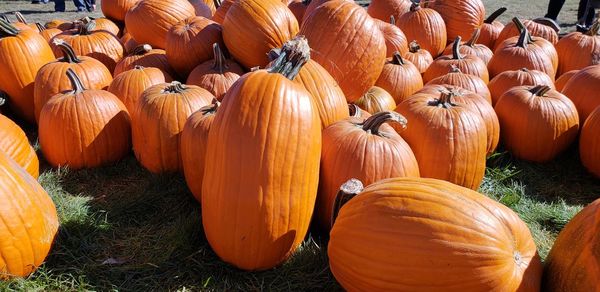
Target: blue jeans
59	5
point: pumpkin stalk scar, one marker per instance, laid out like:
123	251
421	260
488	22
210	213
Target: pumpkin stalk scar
292	56
445	99
174	87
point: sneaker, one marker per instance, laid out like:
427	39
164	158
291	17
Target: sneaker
582	28
548	22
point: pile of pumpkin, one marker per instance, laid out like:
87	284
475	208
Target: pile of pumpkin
262	130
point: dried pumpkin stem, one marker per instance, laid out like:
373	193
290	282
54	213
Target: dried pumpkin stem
353	110
348	190
217	3
521	27
175	87
293	55
474	37
540	90
374	122
220	64
414	47
7	29
4	17
495	15
87	28
20	17
397	59
211	108
523	39
445	99
39	26
392	20
141	50
595	29
3	97
76	83
69	55
415	5
456	49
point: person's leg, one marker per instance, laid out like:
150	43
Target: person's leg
554	7
79	4
59	5
585	13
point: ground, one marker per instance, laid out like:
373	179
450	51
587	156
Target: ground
125	229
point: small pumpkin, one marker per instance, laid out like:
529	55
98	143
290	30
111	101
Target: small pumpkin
375	100
462	17
103	134
426	26
130	85
564	79
58	23
48	33
466	81
383	9
471	47
468	64
584	90
15	144
535	29
117	9
216	75
491	29
395	40
422	59
537	122
222	8
578	50
400	78
509	79
146	56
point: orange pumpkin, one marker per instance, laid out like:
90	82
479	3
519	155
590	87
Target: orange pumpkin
583	89
375	100
589	143
384	154
298	8
51	79
58	23
572	264
272	180
158	119
356	58
48	33
426	26
103	23
442	133
468	64
564	79
422	59
400	78
383	9
537	122
534	28
462	17
23	24
216	75
416	234
103	134
15	144
466	81
578	50
146	56
471	47
223	7
395	40
22	54
129	44
491	29
28	221
129	85
509	79
117	9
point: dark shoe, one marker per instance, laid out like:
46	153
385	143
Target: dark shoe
81	9
582	28
548	22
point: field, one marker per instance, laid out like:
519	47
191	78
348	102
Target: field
125	229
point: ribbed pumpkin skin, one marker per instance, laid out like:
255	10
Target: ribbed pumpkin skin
472	48
267	24
271	181
577	51
395	40
100	45
157	122
490	33
572	264
536	29
351	152
351	48
510	56
220	13
449	143
584	90
564	78
15	144
383	9
117	9
426	26
536	128
465	81
189	43
509	79
149	20
589	143
208	76
468	64
375	100
106	24
21	57
28	221
129	86
400	80
422	59
49	33
462	17
415	234
155	58
298	8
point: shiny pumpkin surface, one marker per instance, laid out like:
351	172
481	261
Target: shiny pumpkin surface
584	90
117	9
426	26
146	56
462	17
466	81
506	80
15	144
400	77
129	85
589	143
375	100
579	50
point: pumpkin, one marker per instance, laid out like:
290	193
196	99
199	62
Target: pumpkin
537	122
535	29
422	59
98	44
356	112
509	79
466	81
426	26
149	20
589	143
468	64
462	17
28	221
193	146
442	133
356	57
472	48
216	75
157	122
51	79
117	9
419	234
23	24
584	90
383	9
384	154
375	100
15	144
267	25
129	85
400	78
477	102
578	50
189	43
572	264
221	11
102	24
22	54
271	181
203	8
58	23
298	8
48	33
564	79
491	29
129	44
103	134
146	56
395	40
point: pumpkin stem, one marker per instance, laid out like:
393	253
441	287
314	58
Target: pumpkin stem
39	26
174	87
414	47
454	69
456	49
220	63
87	28
3	97
76	83
495	15
445	99
540	90
211	108
69	55
474	38
139	67
293	55
4	17
141	50
375	121
354	110
217	3
523	39
392	20
348	190
20	17
595	29
7	29
415	5
397	59
522	28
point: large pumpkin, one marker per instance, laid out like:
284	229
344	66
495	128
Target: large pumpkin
426	26
589	143
572	264
157	122
416	234
149	20
509	79
537	122
384	154
270	182
462	17
395	40
383	9
491	29
28	221
48	33
117	9
22	54
15	144
102	135
468	64
129	85
584	90
146	56
254	27
222	10
512	29
400	78
466	81
346	41
578	50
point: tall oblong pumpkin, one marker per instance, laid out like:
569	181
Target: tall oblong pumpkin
270	182
15	144
426	26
